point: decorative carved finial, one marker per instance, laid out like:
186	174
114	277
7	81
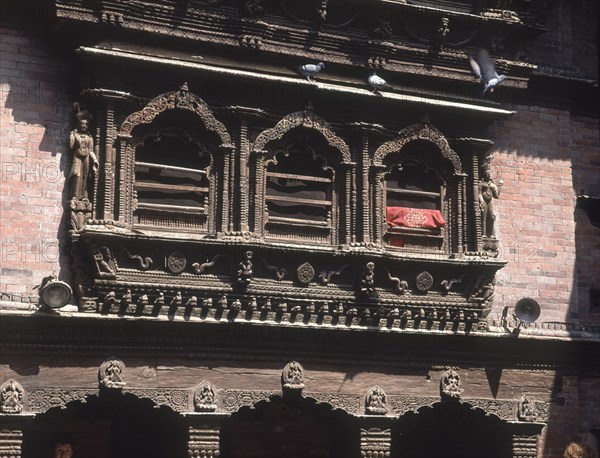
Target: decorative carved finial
110	374
11	397
292	376
204	397
184	87
451	385
376	401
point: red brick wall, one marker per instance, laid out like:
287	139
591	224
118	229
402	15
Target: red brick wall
546	158
35	90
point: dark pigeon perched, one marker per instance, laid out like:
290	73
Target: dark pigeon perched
377	83
485	70
310	70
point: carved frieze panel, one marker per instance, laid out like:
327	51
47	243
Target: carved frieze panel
41	400
177	399
233	400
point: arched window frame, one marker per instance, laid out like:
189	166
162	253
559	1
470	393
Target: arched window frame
264	154
128	140
454	210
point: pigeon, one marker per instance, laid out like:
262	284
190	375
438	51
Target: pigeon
310	70
485	70
377	83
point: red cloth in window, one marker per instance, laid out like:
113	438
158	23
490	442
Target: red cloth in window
414	217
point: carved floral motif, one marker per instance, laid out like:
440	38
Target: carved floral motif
176	262
424	281
306	273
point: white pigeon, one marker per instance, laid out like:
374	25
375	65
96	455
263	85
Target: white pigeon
310	70
377	83
485	70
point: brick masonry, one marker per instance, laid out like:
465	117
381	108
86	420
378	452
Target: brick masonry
546	157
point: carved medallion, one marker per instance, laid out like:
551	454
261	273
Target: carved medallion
424	281
176	262
376	401
110	374
292	376
306	273
204	397
451	385
11	397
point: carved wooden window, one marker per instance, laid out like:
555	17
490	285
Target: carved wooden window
299	196
172	181
420	199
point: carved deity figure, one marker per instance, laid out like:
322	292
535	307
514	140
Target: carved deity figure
526	410
85	162
293	376
451	384
367	283
204	398
488	191
244	273
254	8
11	397
111	374
376	401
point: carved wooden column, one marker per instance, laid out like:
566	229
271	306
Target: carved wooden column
378	208
525	439
367	201
349	171
375	442
204	434
477	210
244	176
11	434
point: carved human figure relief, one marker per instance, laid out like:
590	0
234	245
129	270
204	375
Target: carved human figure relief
367	282
244	272
488	191
526	410
11	397
204	397
111	374
451	385
293	376
376	401
84	162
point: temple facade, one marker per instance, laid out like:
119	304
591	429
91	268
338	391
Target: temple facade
220	237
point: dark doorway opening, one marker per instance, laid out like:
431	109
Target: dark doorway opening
451	430
291	428
114	425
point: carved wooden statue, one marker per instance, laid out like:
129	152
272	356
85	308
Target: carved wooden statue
85	161
488	191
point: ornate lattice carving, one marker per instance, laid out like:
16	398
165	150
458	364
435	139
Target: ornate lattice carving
177	400
41	400
451	385
421	131
204	397
376	401
233	400
110	374
11	397
350	403
305	119
181	99
292	376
